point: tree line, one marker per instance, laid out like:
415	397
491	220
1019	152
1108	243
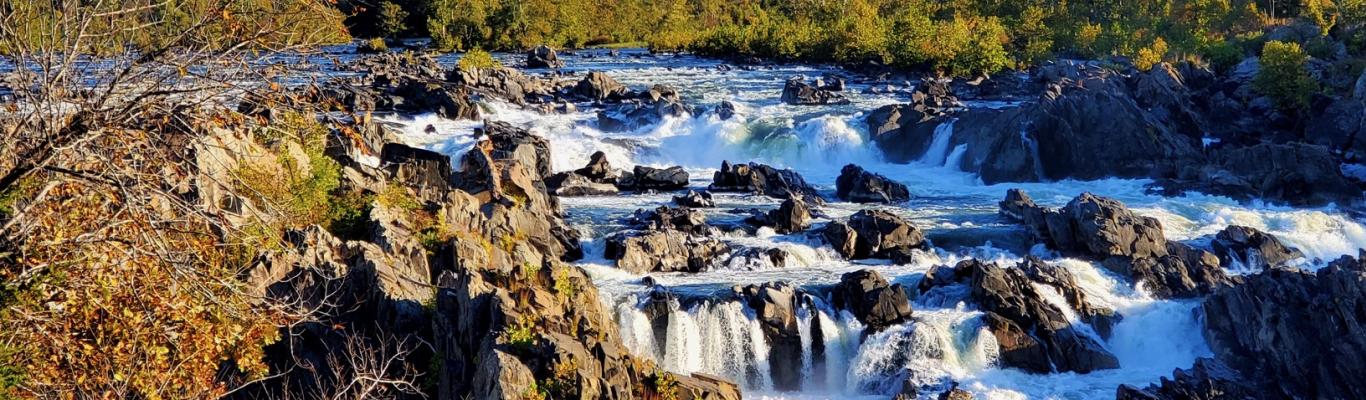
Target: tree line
955	36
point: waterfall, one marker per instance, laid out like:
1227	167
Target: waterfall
955	160
1033	147
938	151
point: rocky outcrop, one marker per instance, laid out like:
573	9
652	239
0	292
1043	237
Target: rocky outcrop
1251	248
595	179
860	186
1103	320
643	178
543	57
695	199
598	86
775	306
763	179
1296	173
505	83
682	219
513	143
902	131
648	109
1207	380
875	302
1104	230
1301	334
663	251
1034	335
797	92
880	233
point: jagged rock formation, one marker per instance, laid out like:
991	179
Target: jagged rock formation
1033	334
860	186
1105	230
792	216
763	179
875	302
796	91
874	234
543	57
1241	245
695	199
643	178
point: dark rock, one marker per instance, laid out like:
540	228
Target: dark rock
543	57
776	307
634	114
681	219
598	169
1207	380
1101	319
695	199
1299	333
763	179
902	132
1296	173
505	83
798	92
572	184
725	110
1028	326
519	144
841	237
448	102
879	233
645	178
1251	248
875	302
856	185
663	251
956	394
792	216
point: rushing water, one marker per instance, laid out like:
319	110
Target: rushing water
708	332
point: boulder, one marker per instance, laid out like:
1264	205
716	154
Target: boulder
775	306
447	101
543	57
1296	173
1251	248
1099	318
842	237
635	113
572	184
797	92
663	251
1295	332
860	186
513	143
763	179
695	199
643	178
419	166
792	216
871	299
598	169
725	110
505	83
681	219
902	131
598	86
879	233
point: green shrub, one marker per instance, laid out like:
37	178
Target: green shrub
477	58
1152	55
1284	76
1222	55
391	17
375	45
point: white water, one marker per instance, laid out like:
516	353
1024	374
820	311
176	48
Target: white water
945	342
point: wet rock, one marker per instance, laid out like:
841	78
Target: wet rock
634	114
598	86
673	218
1099	318
1299	333
842	237
695	199
879	233
1296	173
1206	380
643	178
775	306
543	57
1251	248
798	92
663	251
1028	326
448	102
901	131
505	83
763	179
792	216
1104	230
860	186
875	302
598	169
956	394
725	110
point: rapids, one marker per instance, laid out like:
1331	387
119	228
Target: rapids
707	331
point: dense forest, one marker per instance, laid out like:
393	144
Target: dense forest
957	36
